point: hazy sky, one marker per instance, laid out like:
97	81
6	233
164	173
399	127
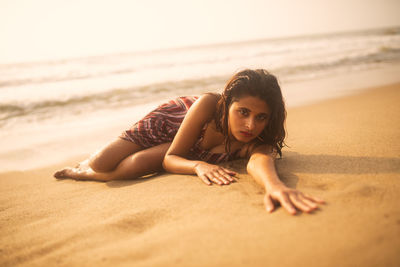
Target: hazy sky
44	29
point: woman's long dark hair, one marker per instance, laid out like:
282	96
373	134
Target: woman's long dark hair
258	83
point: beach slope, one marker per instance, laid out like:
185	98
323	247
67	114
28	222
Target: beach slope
344	150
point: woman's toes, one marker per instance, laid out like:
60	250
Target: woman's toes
60	174
64	173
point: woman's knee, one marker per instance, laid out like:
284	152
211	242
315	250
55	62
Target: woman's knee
101	164
141	163
131	167
108	158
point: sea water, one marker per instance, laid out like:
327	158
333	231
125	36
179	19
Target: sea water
45	104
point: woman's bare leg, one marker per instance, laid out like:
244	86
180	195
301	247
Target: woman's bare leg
108	158
143	162
105	159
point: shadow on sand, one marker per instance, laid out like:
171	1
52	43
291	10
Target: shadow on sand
294	162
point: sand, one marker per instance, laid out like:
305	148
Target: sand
344	150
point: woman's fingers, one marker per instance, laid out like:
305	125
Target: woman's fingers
293	200
314	199
205	179
225	175
269	205
285	202
220	177
229	172
214	173
309	202
214	179
300	204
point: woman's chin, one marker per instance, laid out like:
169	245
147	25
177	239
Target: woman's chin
243	139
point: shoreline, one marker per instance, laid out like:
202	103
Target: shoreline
344	150
52	144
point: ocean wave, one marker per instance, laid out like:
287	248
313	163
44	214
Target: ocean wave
122	97
272	52
387	55
57	88
115	98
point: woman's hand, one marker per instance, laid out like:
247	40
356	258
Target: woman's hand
213	173
290	199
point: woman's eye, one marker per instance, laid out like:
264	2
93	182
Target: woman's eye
262	118
243	112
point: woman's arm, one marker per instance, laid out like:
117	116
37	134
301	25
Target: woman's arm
176	161
261	167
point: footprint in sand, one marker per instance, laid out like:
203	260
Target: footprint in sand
362	190
137	222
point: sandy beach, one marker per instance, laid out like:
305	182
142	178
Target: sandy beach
345	150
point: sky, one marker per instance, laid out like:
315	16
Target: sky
32	30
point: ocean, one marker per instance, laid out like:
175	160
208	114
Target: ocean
61	96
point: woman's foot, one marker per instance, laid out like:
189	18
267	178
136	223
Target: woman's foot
64	173
80	172
73	173
83	165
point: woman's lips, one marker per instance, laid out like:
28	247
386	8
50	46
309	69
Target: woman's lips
246	134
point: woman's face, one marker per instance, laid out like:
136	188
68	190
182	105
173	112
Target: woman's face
247	118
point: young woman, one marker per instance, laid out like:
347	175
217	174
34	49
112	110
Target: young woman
191	135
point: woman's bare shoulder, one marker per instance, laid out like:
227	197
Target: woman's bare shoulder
210	98
202	111
207	103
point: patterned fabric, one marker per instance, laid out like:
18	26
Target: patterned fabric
198	153
161	125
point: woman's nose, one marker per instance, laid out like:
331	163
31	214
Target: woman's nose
250	124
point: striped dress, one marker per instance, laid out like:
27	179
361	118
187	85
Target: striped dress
161	125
